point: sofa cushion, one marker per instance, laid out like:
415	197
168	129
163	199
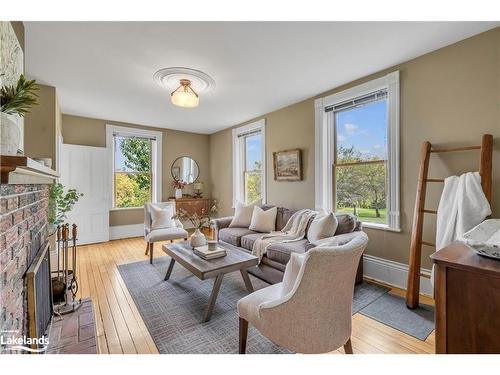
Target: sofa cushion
322	226
242	215
263	221
282	217
280	252
248	240
233	235
347	223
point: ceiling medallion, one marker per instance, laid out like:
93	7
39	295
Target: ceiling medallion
185	84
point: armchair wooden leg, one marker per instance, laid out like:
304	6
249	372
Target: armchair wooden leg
151	247
243	335
147	248
348	347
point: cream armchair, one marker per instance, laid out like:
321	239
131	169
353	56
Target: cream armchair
155	235
310	311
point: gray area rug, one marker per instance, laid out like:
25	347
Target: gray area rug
391	310
364	294
173	310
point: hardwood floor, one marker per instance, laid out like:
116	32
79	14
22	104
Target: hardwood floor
120	328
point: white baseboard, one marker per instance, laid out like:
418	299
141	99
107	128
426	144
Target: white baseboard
126	231
393	273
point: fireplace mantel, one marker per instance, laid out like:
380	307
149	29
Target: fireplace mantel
24	170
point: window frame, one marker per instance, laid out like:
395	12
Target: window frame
239	159
325	147
156	160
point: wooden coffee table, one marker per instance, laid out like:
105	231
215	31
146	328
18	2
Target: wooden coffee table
235	260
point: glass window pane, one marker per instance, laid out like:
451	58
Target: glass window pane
132	189
362	132
132	154
253	187
253	151
361	190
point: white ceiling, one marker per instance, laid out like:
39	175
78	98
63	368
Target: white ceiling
105	69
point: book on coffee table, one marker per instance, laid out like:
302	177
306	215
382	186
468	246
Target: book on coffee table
203	252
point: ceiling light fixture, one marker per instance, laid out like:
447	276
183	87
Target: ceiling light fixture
184	84
184	95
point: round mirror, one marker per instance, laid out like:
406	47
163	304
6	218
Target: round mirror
185	169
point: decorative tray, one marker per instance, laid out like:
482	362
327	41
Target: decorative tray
484	238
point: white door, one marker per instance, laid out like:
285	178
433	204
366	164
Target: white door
85	169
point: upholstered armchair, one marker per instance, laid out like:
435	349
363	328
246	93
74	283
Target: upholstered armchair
310	311
164	234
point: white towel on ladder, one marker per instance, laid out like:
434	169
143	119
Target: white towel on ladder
463	205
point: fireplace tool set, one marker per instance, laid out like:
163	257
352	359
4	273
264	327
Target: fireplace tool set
65	281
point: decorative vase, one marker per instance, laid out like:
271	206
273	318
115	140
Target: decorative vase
178	193
198	239
10	135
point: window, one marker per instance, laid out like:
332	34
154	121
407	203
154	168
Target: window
135	160
249	163
357	144
360	158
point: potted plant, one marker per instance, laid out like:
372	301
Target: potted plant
15	101
198	222
178	186
60	203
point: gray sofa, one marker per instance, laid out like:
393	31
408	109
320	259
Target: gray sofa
273	264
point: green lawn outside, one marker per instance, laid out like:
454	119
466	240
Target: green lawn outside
366	214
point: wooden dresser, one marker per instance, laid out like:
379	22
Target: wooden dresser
467	295
200	206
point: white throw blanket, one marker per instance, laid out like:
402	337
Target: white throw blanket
294	230
463	205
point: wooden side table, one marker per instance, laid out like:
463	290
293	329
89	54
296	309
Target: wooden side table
191	205
467	295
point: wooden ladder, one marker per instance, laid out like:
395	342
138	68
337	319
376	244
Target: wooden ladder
485	170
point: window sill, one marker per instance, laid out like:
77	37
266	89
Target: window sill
380	227
125	208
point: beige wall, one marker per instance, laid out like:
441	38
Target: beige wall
450	96
92	132
41	125
18	27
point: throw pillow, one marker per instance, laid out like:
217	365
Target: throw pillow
242	216
347	223
263	221
322	227
161	217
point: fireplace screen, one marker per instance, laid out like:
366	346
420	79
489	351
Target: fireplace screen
39	294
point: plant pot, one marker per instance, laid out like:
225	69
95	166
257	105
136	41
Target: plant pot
178	193
10	135
198	239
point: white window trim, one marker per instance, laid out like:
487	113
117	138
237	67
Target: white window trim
155	162
324	141
238	161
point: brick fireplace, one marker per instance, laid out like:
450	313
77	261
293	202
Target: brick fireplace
24	229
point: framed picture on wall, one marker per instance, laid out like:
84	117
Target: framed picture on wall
288	165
